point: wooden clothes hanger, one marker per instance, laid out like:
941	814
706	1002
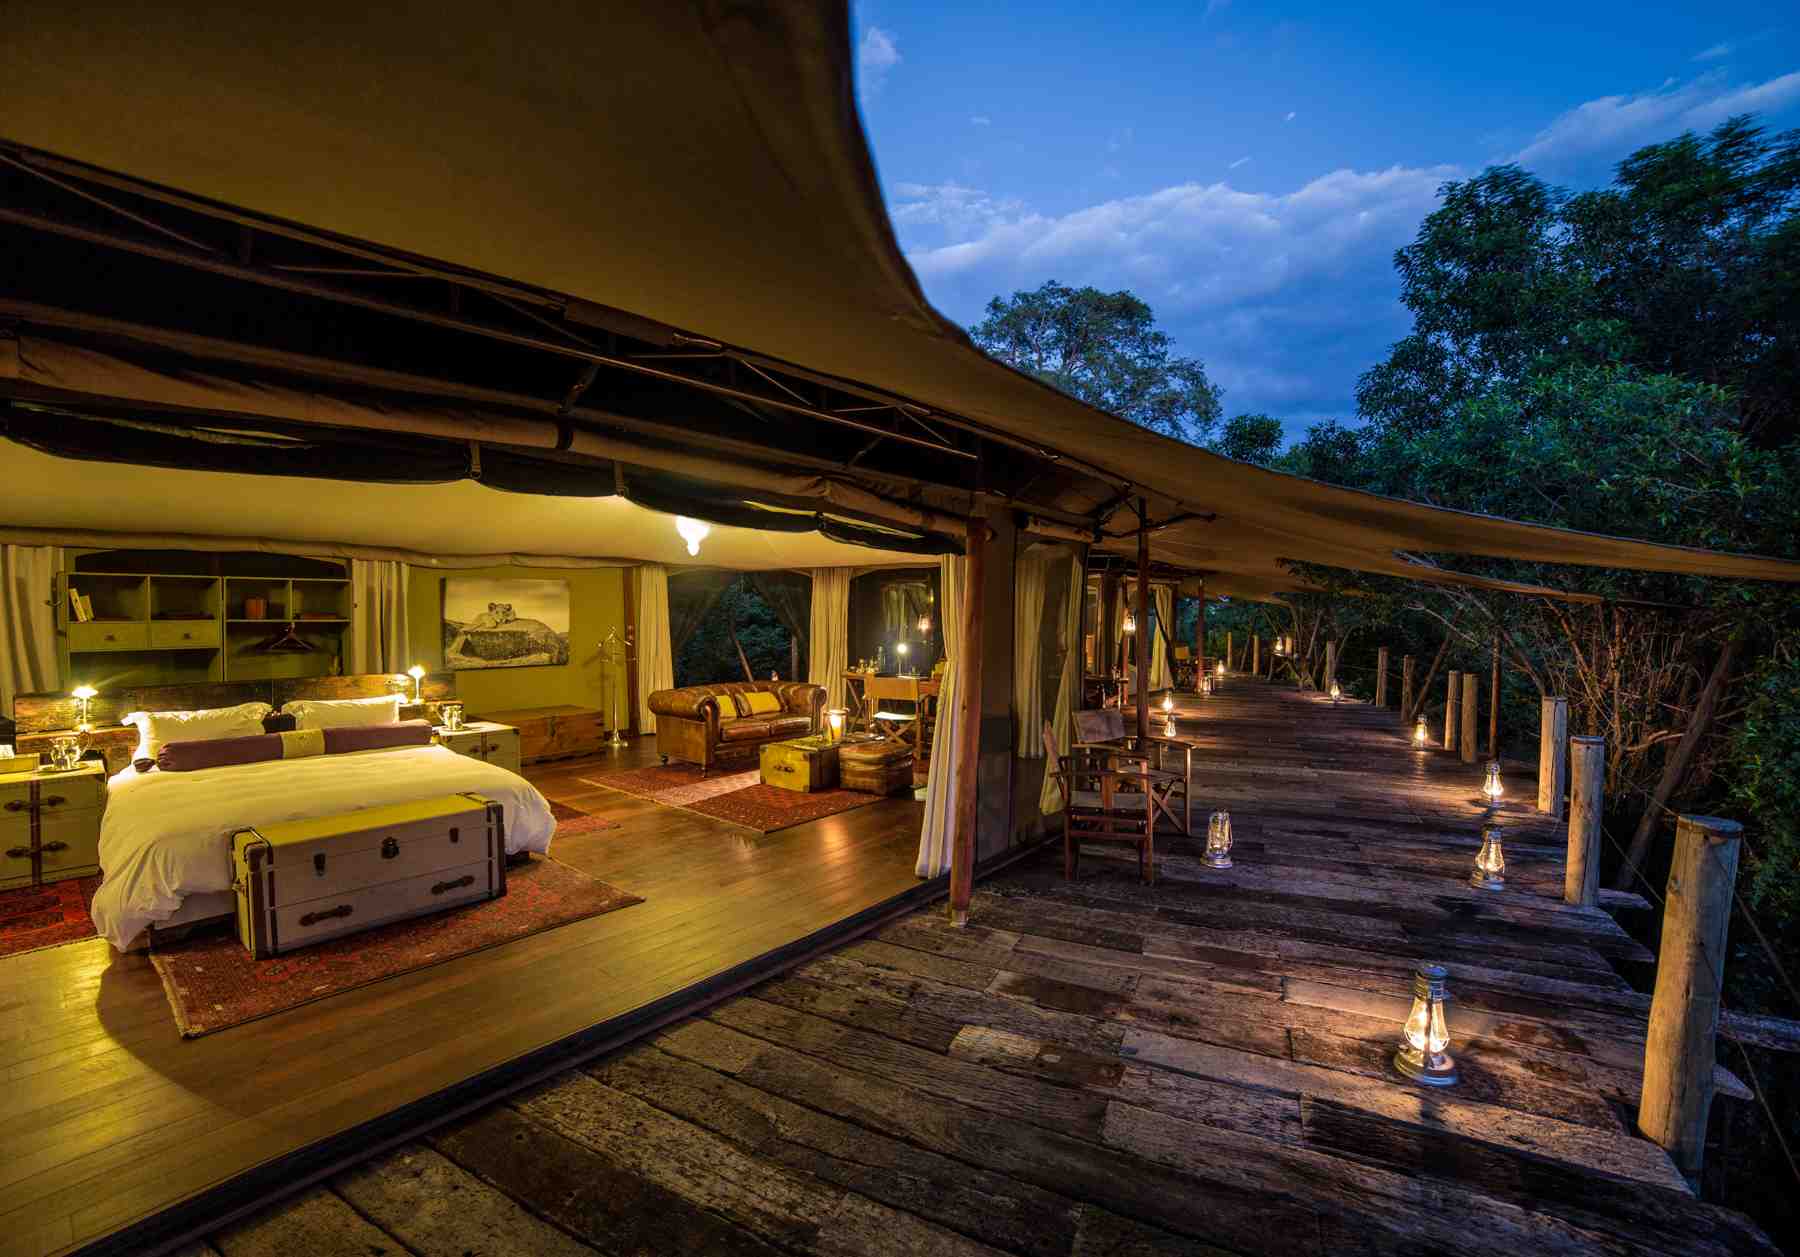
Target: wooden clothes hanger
286	642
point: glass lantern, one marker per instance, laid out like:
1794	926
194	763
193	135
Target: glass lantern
1336	692
834	717
1218	841
1421	737
1206	684
1423	1055
1220	670
1130	623
1490	861
1168	711
1492	787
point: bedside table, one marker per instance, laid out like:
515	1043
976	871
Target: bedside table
498	744
50	825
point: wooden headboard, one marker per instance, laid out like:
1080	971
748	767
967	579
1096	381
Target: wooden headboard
48	713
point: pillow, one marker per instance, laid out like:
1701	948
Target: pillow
157	727
344	713
762	703
740	707
183	757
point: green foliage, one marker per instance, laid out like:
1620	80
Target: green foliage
1765	789
1105	349
709	656
1250	439
1329	451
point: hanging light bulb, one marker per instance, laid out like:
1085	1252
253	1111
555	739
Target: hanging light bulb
692	531
1490	861
1492	787
1420	736
1424	1042
1218	841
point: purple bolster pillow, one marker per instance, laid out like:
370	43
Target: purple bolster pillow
191	756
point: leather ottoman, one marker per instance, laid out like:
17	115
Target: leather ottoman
884	767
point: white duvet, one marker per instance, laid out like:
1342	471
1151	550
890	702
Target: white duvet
166	836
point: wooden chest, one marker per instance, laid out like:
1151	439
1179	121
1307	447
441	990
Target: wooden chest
50	825
553	732
803	764
303	882
484	740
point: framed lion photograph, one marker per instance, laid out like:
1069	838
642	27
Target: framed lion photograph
491	623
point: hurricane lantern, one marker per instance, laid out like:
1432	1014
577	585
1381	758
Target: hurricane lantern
1490	862
834	716
1130	623
1492	787
1425	1039
1218	841
1420	735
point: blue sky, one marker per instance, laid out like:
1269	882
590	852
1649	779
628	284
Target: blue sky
1249	169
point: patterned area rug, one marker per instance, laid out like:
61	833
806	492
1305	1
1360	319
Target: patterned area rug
44	916
739	798
212	983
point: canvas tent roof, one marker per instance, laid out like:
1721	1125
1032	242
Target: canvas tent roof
695	163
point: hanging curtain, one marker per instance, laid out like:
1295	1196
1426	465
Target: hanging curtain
378	629
692	596
940	791
1028	665
1069	638
1160	677
829	635
27	622
789	595
656	658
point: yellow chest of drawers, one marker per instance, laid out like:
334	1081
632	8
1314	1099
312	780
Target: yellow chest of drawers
50	825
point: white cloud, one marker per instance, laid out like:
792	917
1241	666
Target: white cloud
981	120
1610	126
877	55
1239	162
1290	116
1716	53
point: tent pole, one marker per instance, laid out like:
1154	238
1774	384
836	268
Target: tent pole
1200	640
1142	643
968	728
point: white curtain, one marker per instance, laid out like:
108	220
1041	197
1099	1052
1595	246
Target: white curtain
828	647
1069	639
27	622
1160	677
1028	664
940	790
378	636
655	654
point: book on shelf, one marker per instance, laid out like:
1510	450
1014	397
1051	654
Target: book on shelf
80	609
87	608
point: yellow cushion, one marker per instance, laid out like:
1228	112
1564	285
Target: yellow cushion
762	703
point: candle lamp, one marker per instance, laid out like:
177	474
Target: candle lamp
1336	692
1492	787
1425	1039
1218	841
1490	862
834	717
1420	736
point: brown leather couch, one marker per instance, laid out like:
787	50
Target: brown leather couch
700	724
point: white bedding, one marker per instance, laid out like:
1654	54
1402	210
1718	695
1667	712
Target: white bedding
165	836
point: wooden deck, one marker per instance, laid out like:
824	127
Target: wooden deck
1103	1068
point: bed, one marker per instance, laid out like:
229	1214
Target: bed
165	838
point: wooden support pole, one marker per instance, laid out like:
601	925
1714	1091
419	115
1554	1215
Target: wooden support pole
1200	640
1452	704
1109	627
1471	710
1494	706
1553	755
1381	662
1330	665
1143	619
1587	761
1690	970
1407	667
1256	654
968	727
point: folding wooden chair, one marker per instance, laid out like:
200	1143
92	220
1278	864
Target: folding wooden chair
1173	758
1106	799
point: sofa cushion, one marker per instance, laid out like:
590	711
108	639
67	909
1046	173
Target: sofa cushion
743	730
788	726
761	702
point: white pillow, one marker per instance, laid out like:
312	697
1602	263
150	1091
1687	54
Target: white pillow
157	727
344	713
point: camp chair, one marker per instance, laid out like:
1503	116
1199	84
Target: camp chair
1183	667
1106	798
1171	758
881	693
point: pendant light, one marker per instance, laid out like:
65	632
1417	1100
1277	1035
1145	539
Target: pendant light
692	531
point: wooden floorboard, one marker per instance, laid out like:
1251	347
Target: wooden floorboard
1097	1068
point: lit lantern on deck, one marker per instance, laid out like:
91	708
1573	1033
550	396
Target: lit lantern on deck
1206	684
1220	670
1130	623
1420	736
835	718
1490	861
1423	1055
1336	692
1218	841
1492	787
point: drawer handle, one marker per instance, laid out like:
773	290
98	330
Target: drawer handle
55	846
18	853
17	805
389	848
55	800
468	879
313	918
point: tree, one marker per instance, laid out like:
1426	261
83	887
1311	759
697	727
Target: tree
1105	349
1250	439
1329	451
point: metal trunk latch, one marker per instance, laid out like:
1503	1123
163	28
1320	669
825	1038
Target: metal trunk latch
319	864
390	848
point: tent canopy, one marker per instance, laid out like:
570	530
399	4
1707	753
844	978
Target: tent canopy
697	163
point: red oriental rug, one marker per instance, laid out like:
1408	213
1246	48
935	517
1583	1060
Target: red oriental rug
572	822
44	916
739	798
212	982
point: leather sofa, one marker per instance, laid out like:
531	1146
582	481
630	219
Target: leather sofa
700	725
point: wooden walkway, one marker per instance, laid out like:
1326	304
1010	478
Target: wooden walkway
1100	1068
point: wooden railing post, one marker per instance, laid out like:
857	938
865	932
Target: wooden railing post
1452	704
1587	793
1381	660
1330	665
968	727
1200	640
1407	667
1471	703
1553	755
1256	655
1690	969
1230	659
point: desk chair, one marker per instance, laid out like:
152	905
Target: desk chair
1107	798
881	693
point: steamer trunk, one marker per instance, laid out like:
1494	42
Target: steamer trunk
303	882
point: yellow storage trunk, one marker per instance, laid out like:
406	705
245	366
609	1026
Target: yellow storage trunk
803	764
307	881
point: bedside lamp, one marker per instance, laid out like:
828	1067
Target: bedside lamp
84	694
417	673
